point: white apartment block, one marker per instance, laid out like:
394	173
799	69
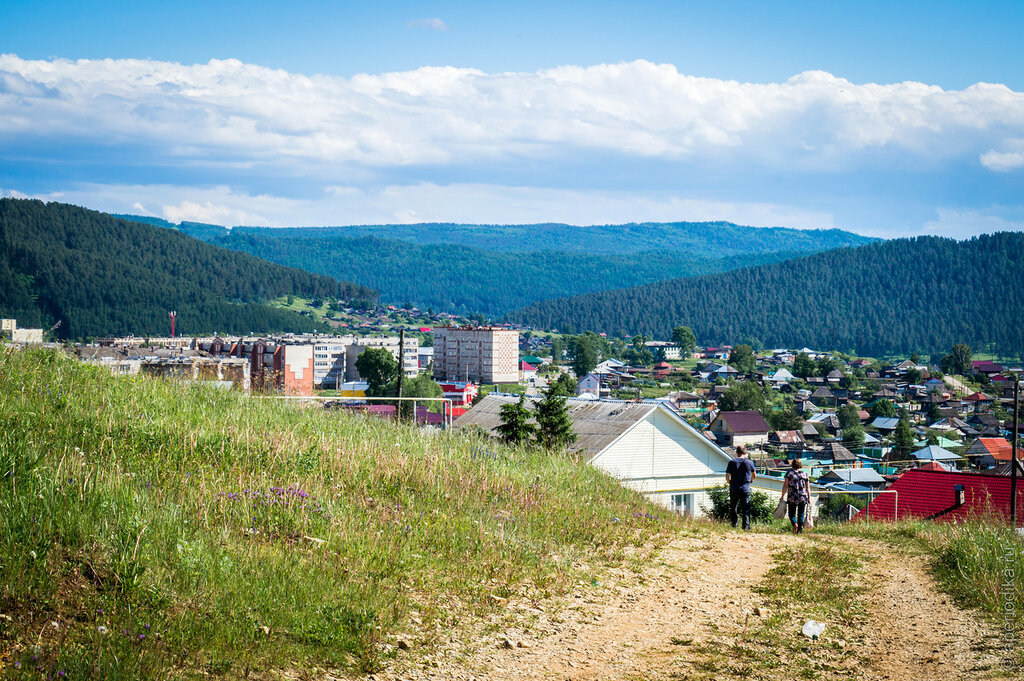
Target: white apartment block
410	363
481	354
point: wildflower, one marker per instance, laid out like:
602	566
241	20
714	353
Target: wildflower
142	637
102	629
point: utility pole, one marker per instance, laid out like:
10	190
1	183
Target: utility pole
401	368
1013	452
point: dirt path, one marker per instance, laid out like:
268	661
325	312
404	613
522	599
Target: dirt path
914	630
699	597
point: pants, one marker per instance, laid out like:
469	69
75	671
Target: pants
798	513
739	505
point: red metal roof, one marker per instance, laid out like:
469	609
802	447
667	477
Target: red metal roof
921	493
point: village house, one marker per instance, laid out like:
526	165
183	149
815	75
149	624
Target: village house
734	428
648	446
945	496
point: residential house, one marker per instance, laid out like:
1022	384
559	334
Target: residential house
986	452
646	445
733	428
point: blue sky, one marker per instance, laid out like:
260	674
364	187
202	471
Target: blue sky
883	118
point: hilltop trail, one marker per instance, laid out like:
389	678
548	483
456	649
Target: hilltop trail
700	595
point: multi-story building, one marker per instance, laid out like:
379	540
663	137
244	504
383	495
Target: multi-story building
409	362
10	332
482	354
298	364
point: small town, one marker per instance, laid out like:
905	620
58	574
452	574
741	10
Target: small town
888	440
532	341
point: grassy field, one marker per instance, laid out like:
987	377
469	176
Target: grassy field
151	529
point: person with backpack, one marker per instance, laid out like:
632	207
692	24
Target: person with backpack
796	491
739	474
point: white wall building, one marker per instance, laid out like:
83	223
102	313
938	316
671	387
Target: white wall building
646	445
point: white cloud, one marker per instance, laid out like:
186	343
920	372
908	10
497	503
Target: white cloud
254	118
1004	161
433	24
961	223
425	202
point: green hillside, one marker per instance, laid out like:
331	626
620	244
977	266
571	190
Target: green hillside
707	239
924	294
493	269
153	530
471	280
99	275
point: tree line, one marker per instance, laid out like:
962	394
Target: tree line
99	275
923	293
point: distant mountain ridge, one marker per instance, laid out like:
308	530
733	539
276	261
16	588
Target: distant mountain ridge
709	239
493	269
924	293
99	275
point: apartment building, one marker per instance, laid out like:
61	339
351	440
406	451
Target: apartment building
10	332
409	362
481	354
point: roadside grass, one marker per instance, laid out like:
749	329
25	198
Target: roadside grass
804	584
979	564
152	529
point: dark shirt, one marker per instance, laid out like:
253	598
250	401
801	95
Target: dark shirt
740	472
797	491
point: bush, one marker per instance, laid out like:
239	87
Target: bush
761	505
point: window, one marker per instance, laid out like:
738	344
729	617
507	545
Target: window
683	503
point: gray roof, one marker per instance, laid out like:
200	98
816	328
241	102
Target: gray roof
934	453
884	423
597	423
855	475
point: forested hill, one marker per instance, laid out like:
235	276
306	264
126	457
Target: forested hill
471	280
706	239
924	294
99	275
494	269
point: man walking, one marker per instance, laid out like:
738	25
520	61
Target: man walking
739	474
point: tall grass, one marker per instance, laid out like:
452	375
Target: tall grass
156	529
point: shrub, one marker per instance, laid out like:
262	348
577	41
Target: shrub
761	505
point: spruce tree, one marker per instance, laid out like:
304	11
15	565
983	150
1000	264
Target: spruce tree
515	427
554	427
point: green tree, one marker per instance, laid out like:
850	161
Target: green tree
884	408
785	419
755	343
958	361
420	386
515	427
827	364
853	436
848	416
585	351
378	367
564	385
902	441
913	376
742	358
804	367
557	349
746	396
684	338
554	427
639	354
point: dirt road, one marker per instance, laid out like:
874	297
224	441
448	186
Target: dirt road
700	597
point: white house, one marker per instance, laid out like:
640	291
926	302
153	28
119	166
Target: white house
646	445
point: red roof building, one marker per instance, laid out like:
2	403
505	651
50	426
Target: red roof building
996	447
947	497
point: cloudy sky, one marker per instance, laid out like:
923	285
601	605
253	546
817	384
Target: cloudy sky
882	120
